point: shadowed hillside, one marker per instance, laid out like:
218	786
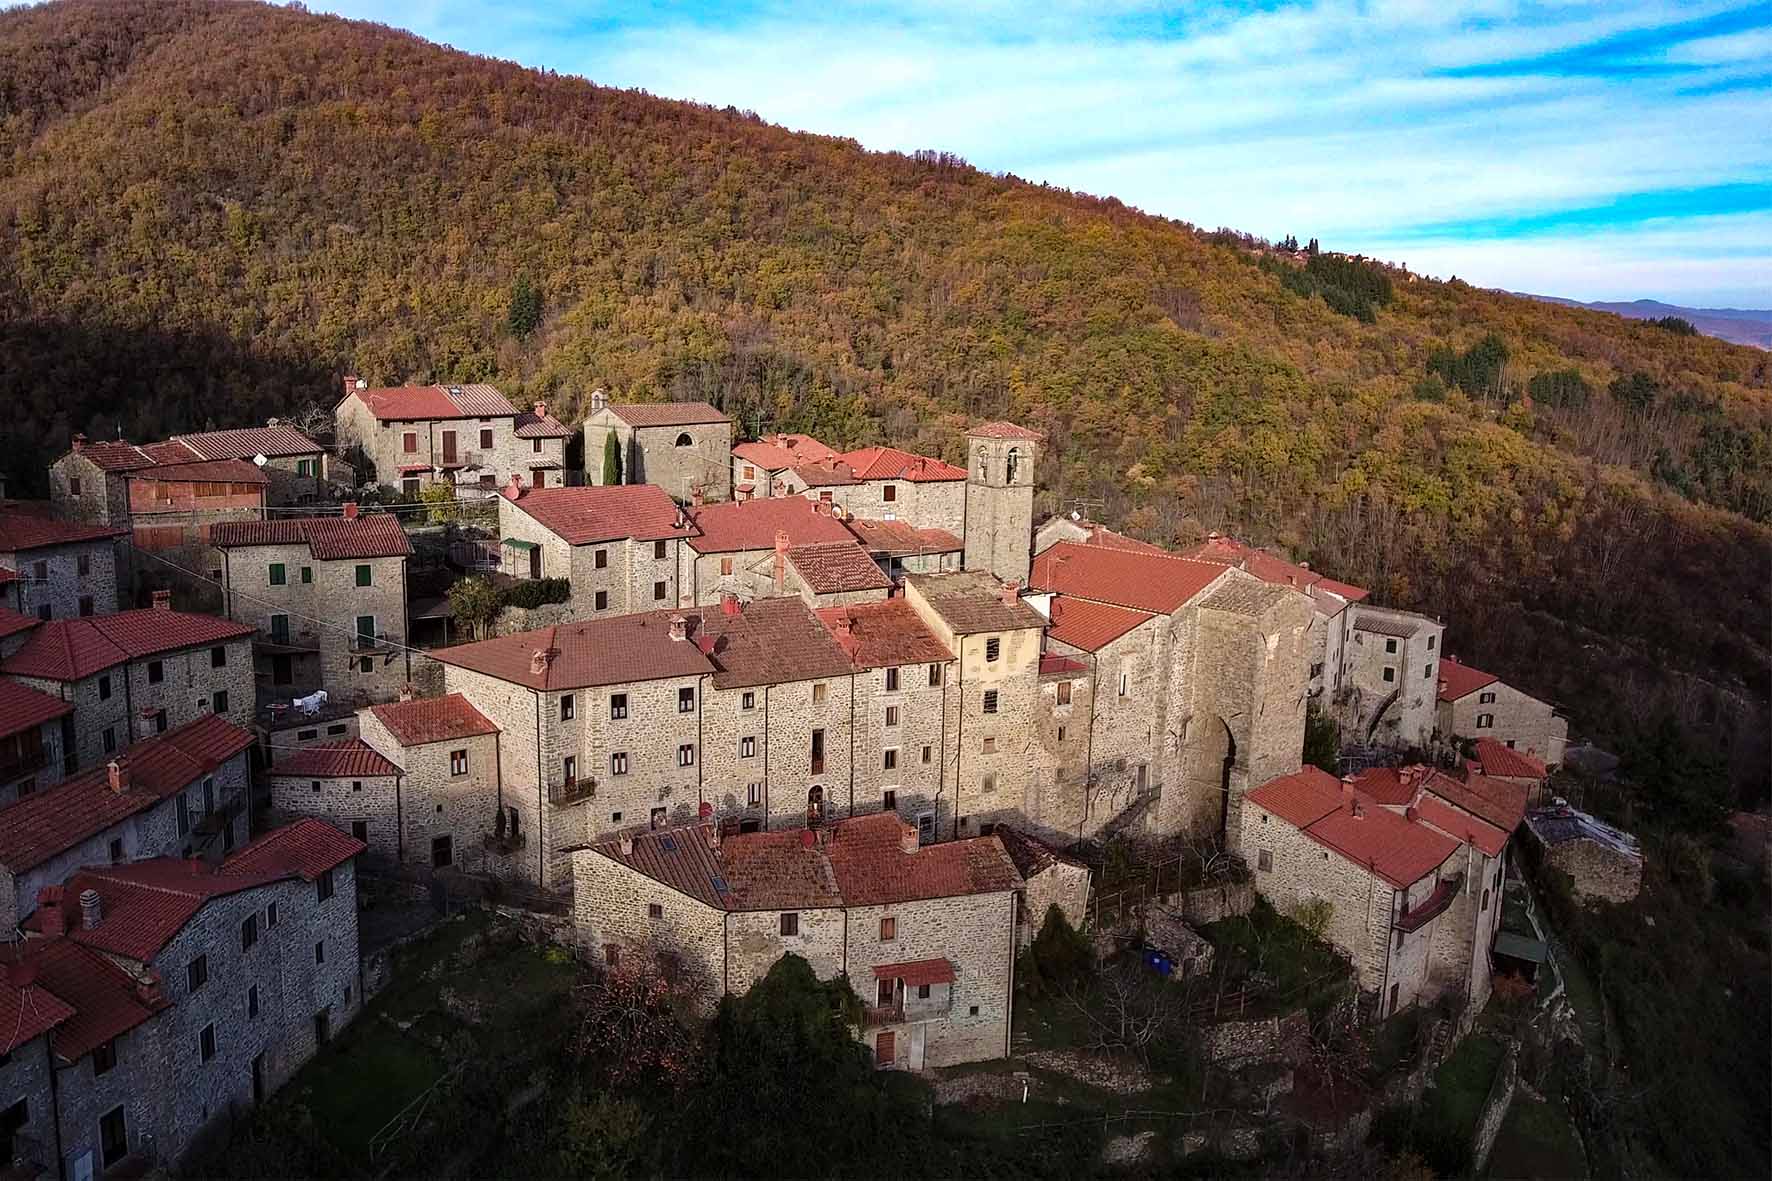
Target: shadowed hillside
210	211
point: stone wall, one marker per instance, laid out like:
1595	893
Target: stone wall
1495	1108
430	801
70	580
1413	664
1596	870
1211	904
372	801
1233	1044
25	1076
1514	718
1061	884
921	736
999	510
611	908
49	734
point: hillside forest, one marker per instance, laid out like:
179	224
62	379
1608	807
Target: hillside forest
209	212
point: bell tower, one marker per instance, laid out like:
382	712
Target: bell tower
1000	498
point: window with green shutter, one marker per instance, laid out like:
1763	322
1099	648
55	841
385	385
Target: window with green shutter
363	578
279	575
307	574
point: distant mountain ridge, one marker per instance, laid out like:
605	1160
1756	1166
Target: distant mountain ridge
1749	326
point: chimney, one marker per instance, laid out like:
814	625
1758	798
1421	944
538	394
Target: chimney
781	561
1010	591
541	409
147	989
91	910
598	399
907	838
79	444
843	626
696	496
728	604
117	772
514	489
54	921
626	841
273	422
1214	535
162	600
408	691
1411	813
1292	580
352	385
681	519
539	661
350	510
679	628
704	811
1304	565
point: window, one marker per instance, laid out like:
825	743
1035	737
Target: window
197	974
1485	899
110	739
486	438
725	566
1316	670
988	782
988	746
73	485
922	992
566	708
104	1057
45	612
892	715
279	574
754	795
184	813
612	955
218	701
683	440
569	768
658	551
271	915
934	675
279	629
1064	692
366	664
601	559
889	799
365	575
686	700
990	701
820	691
889	759
928	755
686	755
1264	859
1485	721
1485	699
1012	465
1125	685
618	765
889	493
747	748
602	600
888	929
323	885
409	442
1390	646
790	923
658	590
993	648
320	952
365	629
360	830
1427	672
892	680
159	721
655	910
884	993
307	575
1390	674
249	932
104	688
750	472
85	605
1061	733
747	700
218	657
304	467
252	1001
458	762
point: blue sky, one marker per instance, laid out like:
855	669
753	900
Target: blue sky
1612	150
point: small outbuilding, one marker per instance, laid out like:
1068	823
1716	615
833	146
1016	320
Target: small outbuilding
1605	863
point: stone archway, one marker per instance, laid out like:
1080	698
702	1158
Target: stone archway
1208	757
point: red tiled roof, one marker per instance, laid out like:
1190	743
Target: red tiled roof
889	463
101	997
971	601
375	535
70	649
21	529
114	455
1301	798
830	473
769	642
13	622
421	402
1003	430
782	451
871	868
28	1008
1091	626
1501	760
530	425
1052	665
50	822
270	441
22	708
735	526
1501	803
7	575
1098	534
231	471
901	538
1268	567
1461	680
1393	786
1395	848
1461	826
1030	854
837	567
1125	578
592	513
355	759
307	848
425	720
645	414
914	973
586	653
884	634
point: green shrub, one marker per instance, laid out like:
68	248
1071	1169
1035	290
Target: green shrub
536	592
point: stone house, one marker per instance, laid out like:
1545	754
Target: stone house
1079	529
86	484
351	786
834	574
137	673
901	548
896	485
165	495
1602	862
741	547
182	791
326	599
925	934
1499	761
54	569
35	730
1473	704
1049	878
620	545
999	514
1227	687
462	435
766	467
683	447
1389	690
442	805
247	967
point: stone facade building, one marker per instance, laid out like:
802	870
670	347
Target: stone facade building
350	786
683	447
181	792
1476	705
1602	862
999	521
1049	878
925	934
901	548
741	548
326	597
622	545
444	801
461	435
35	732
53	569
1389	689
894	485
772	466
137	673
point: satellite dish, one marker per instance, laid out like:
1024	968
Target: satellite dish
260	459
1075	515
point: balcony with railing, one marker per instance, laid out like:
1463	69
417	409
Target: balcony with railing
571	791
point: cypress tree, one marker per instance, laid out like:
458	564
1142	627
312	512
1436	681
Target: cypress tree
611	459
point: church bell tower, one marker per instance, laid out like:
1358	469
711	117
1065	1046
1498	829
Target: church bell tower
1000	499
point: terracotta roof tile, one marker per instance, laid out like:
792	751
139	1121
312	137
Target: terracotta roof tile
901	538
1301	798
1091	626
1461	680
1054	665
871	867
586	653
425	720
372	535
71	649
246	443
1462	827
889	463
884	635
768	642
232	471
306	848
22	529
736	526
22	709
1498	759
779	452
530	425
1125	578
1384	621
646	414
355	759
1270	568
971	601
591	513
28	1007
50	822
101	997
831	473
915	973
418	403
1003	430
1030	854
13	622
837	567
1501	803
114	455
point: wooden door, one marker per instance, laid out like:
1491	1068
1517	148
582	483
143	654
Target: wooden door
885	1048
535	562
448	446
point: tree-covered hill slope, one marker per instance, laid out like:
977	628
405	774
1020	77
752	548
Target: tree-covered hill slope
210	211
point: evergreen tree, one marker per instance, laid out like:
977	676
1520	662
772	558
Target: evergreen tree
525	311
611	459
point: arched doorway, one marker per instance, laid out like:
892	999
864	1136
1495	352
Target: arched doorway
814	805
1208	756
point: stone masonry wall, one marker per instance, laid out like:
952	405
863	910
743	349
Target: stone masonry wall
920	734
371	800
66	578
432	801
1514	717
999	514
188	684
25	1076
998	754
1064	807
611	906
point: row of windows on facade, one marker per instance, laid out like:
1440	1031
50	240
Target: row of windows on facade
218	703
277	574
1390	672
409	444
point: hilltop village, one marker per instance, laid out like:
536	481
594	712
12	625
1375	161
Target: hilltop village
854	706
